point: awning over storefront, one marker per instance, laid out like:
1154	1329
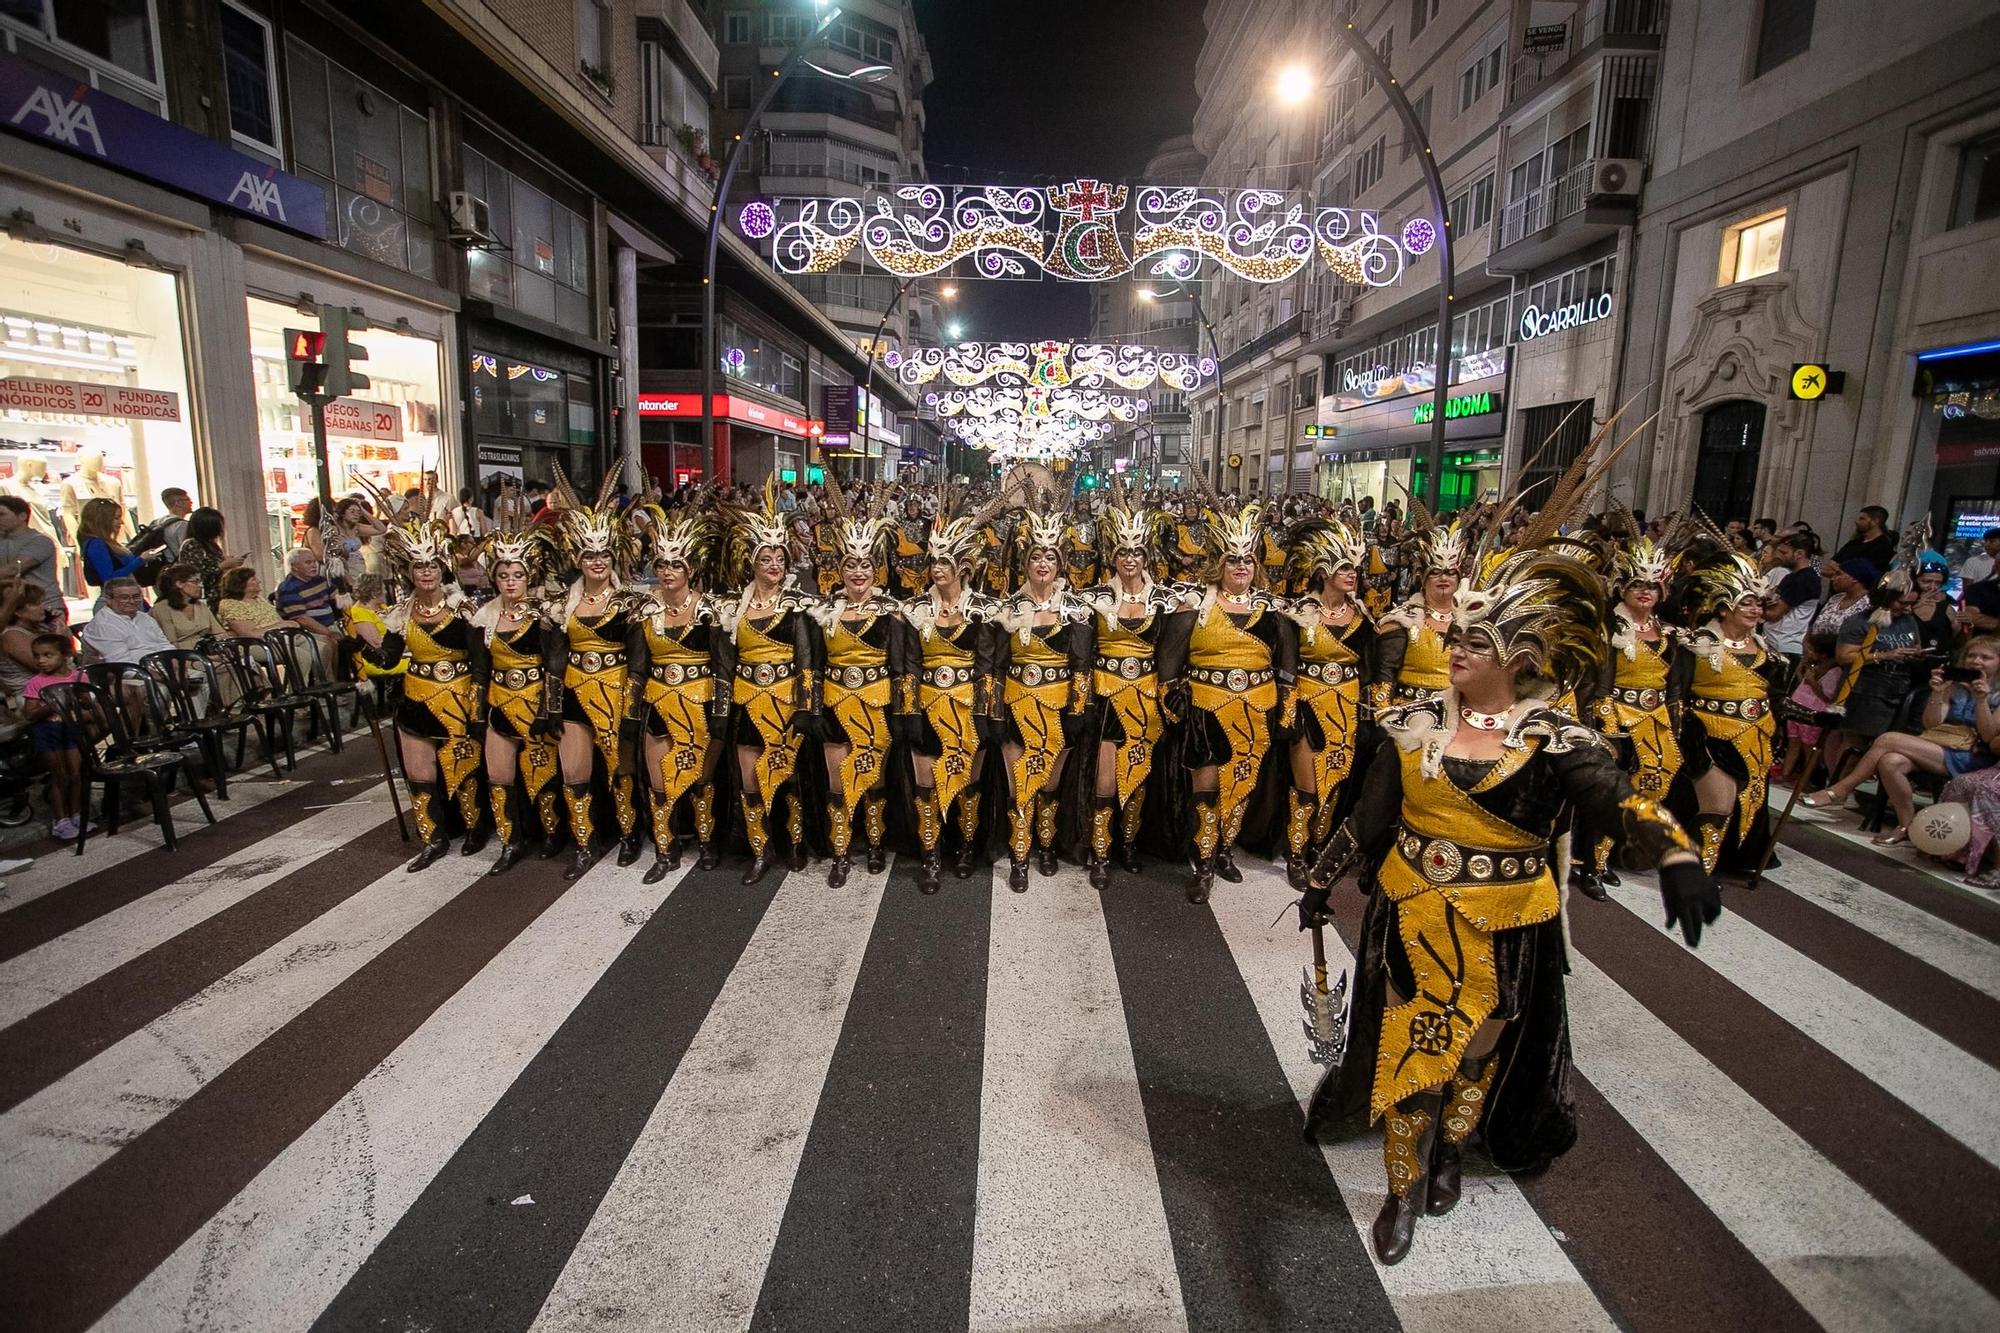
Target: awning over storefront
732	408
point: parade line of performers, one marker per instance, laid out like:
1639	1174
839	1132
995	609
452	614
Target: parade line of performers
1525	721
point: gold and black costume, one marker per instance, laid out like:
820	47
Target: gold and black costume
775	647
1326	712
586	678
679	676
958	699
442	704
869	677
1126	708
515	670
1046	691
1729	693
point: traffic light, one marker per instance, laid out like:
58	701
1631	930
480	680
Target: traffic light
1090	481
305	362
341	378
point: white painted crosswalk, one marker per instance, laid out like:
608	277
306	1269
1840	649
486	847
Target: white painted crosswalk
587	1194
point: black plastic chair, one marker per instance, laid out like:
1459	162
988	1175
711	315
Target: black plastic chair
307	670
268	690
113	754
209	699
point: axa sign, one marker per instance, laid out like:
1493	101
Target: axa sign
54	108
68	122
1535	322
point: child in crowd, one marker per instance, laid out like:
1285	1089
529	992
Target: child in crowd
56	741
1819	681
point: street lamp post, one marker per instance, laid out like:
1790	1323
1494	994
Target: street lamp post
1293	86
869	73
1214	350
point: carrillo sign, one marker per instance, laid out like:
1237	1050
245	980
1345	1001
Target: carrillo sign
1536	322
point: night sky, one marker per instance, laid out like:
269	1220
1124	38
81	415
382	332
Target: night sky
1015	102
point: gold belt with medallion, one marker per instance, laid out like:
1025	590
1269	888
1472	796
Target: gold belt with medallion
1443	861
678	673
593	659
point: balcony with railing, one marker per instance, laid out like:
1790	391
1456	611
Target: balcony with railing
1559	216
1550	50
1278	333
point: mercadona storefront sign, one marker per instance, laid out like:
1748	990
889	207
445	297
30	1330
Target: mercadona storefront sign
1460	405
1535	322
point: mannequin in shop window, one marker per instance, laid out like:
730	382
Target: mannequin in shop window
91	482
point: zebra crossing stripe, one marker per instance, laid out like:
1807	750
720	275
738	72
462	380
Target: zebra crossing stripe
81	955
695	1207
888	1182
1951	949
1492	1263
1261	1235
1952	1090
463	1254
1846	1258
170	1052
276	1254
1065	1165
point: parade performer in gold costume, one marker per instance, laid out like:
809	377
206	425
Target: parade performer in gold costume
870	679
1410	658
1132	613
958	693
1458	1019
521	768
1326	712
1049	643
441	721
775	645
680	665
1225	678
586	675
1730	678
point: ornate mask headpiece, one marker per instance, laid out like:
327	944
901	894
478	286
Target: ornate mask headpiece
1236	536
1543	609
1321	546
514	542
593	529
1642	560
1444	547
857	536
685	537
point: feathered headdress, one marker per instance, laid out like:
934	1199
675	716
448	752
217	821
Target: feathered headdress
1235	536
856	536
1542	608
1726	578
1124	527
1321	545
514	541
685	537
954	536
1445	547
1046	523
413	537
596	528
752	530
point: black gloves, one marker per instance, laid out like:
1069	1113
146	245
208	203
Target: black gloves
629	730
1072	729
990	730
1313	908
547	727
1692	898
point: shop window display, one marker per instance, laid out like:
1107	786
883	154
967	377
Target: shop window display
93	392
388	434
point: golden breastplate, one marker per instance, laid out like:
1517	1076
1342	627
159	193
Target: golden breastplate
584	636
1217	643
1735	681
507	657
423	648
1117	638
949	647
1039	651
1426	662
845	647
756	648
1646	670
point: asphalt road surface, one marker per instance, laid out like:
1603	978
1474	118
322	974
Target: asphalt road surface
271	1082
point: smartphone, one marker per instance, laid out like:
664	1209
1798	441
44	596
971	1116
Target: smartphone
1964	674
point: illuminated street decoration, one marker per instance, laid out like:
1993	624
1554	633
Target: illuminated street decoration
757	220
1419	236
1036	401
1053	364
1073	232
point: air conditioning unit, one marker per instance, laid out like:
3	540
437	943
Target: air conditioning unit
1616	178
471	220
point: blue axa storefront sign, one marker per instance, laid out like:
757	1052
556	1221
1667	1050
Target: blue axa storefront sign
42	104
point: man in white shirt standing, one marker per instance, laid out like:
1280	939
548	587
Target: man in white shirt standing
1978	566
467	519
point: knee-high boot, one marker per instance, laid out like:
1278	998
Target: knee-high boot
1225	847
1045	831
1103	809
930	832
1409	1133
1464	1104
509	820
623	803
968	832
1298	837
1128	832
666	847
840	833
1201	857
427	803
795	828
759	838
1709	831
874	823
470	811
576	795
702	798
1020	841
549	814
